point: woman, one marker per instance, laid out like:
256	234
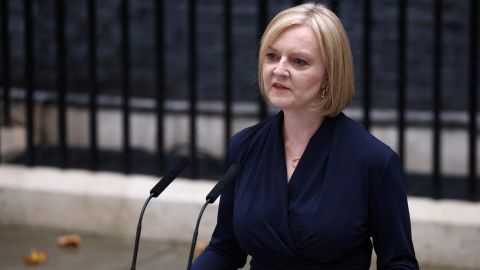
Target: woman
316	191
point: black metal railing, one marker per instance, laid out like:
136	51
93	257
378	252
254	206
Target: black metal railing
401	80
29	81
160	84
192	63
61	81
6	63
437	92
93	85
228	66
436	189
472	105
367	67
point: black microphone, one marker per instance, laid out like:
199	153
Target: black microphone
169	177
224	182
154	192
227	178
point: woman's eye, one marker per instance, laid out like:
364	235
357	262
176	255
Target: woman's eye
271	56
300	62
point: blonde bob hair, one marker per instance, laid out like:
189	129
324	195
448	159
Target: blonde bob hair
334	49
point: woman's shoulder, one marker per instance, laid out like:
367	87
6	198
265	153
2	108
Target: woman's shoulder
360	142
247	134
245	138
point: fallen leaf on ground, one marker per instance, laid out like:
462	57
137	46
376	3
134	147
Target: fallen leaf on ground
36	257
69	240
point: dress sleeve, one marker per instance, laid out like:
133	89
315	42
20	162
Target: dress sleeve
390	219
223	251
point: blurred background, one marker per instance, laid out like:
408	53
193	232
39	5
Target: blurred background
125	88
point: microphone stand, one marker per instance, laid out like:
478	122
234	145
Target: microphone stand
139	229
195	235
154	192
226	180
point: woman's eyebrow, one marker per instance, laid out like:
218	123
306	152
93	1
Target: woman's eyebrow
300	52
270	47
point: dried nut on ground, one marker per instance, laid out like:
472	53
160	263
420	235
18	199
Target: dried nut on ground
36	257
69	240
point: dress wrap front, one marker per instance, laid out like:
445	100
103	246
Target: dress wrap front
346	195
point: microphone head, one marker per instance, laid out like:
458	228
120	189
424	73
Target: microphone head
169	177
225	181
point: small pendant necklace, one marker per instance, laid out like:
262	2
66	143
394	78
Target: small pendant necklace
295	161
295	158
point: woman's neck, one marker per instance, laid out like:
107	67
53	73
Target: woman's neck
299	127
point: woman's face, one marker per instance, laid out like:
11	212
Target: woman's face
293	69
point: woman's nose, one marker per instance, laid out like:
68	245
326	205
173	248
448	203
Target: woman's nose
280	68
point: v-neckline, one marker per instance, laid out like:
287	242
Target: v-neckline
282	146
285	179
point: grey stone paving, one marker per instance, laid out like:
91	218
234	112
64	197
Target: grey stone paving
103	253
94	253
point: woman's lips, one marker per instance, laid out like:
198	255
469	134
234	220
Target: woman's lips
280	86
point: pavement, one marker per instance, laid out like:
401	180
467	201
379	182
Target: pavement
95	252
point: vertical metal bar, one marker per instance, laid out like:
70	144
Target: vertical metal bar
61	80
193	88
262	23
160	83
6	62
6	88
92	48
366	63
334	6
126	86
472	109
402	78
437	91
29	81
1	161
228	87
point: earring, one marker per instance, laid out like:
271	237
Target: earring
324	92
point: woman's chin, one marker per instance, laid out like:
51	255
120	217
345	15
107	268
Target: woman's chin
280	102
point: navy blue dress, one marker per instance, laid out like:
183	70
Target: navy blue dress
346	192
